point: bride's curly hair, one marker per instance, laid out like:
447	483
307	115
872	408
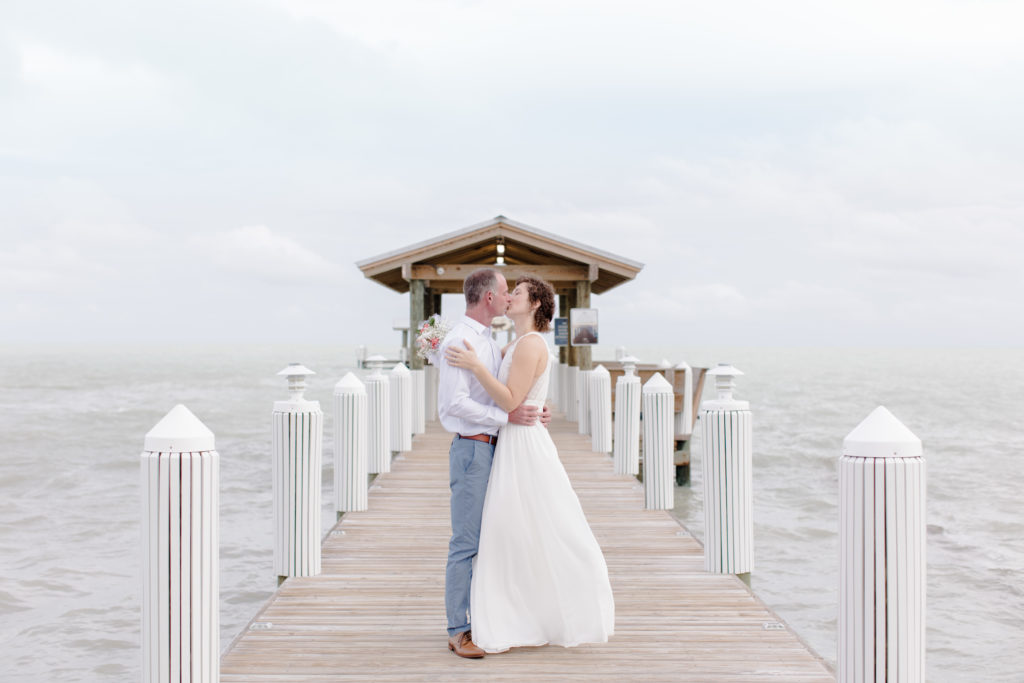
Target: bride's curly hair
542	292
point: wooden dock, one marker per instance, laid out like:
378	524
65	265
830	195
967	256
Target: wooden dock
376	613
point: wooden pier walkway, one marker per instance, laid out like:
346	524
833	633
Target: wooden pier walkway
376	613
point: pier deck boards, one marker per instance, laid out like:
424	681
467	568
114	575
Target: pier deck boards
376	613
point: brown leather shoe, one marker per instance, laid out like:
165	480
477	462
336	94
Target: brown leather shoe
462	645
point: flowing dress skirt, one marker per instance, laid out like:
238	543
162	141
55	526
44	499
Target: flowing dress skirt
540	576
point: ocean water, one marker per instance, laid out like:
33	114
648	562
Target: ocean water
72	422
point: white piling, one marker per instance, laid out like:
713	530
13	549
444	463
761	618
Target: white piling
419	408
882	562
684	418
555	378
583	400
180	477
298	458
350	475
659	484
430	372
571	406
378	418
360	356
601	410
401	408
626	453
728	478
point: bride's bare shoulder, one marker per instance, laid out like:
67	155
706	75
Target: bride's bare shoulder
532	344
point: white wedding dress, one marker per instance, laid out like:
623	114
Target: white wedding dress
540	576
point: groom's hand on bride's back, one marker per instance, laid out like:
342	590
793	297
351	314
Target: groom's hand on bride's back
545	416
528	415
523	415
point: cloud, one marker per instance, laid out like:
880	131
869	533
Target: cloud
260	254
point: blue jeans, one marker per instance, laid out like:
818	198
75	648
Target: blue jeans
469	464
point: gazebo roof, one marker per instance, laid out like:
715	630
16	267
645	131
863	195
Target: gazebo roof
446	260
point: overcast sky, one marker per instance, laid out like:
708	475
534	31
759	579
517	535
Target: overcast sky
790	173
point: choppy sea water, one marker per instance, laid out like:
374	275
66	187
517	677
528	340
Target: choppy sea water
72	422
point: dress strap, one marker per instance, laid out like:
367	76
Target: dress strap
527	335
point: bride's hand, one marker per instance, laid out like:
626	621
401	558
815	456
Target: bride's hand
462	358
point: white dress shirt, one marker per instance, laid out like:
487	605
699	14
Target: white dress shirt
463	405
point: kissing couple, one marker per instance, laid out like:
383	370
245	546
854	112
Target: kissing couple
524	568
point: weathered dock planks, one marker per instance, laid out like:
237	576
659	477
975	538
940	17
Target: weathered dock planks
376	613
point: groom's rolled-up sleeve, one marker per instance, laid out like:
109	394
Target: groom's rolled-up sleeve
455	400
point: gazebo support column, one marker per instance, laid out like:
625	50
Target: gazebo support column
563	311
417	304
582	300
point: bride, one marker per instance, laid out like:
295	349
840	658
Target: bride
539	576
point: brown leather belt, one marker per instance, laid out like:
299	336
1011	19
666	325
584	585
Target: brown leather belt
486	438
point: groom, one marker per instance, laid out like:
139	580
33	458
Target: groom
468	412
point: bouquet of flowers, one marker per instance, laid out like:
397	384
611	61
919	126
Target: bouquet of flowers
429	337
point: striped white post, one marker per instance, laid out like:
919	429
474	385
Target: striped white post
684	418
180	477
298	457
430	373
881	553
563	388
378	418
401	408
555	378
360	356
571	408
626	454
419	408
601	410
659	485
350	476
583	400
728	478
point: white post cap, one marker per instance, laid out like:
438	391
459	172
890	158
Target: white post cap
296	374
179	432
601	371
629	365
349	384
665	364
400	369
683	365
724	376
657	384
881	435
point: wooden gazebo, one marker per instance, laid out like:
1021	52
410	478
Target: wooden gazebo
438	266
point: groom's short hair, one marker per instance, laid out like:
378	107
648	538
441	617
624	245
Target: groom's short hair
478	282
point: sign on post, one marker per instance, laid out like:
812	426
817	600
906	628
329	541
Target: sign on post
583	326
561	331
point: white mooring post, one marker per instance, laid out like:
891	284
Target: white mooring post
727	435
626	454
430	373
419	408
378	417
583	400
659	482
571	379
180	477
401	408
350	475
601	410
298	459
684	418
554	378
882	563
